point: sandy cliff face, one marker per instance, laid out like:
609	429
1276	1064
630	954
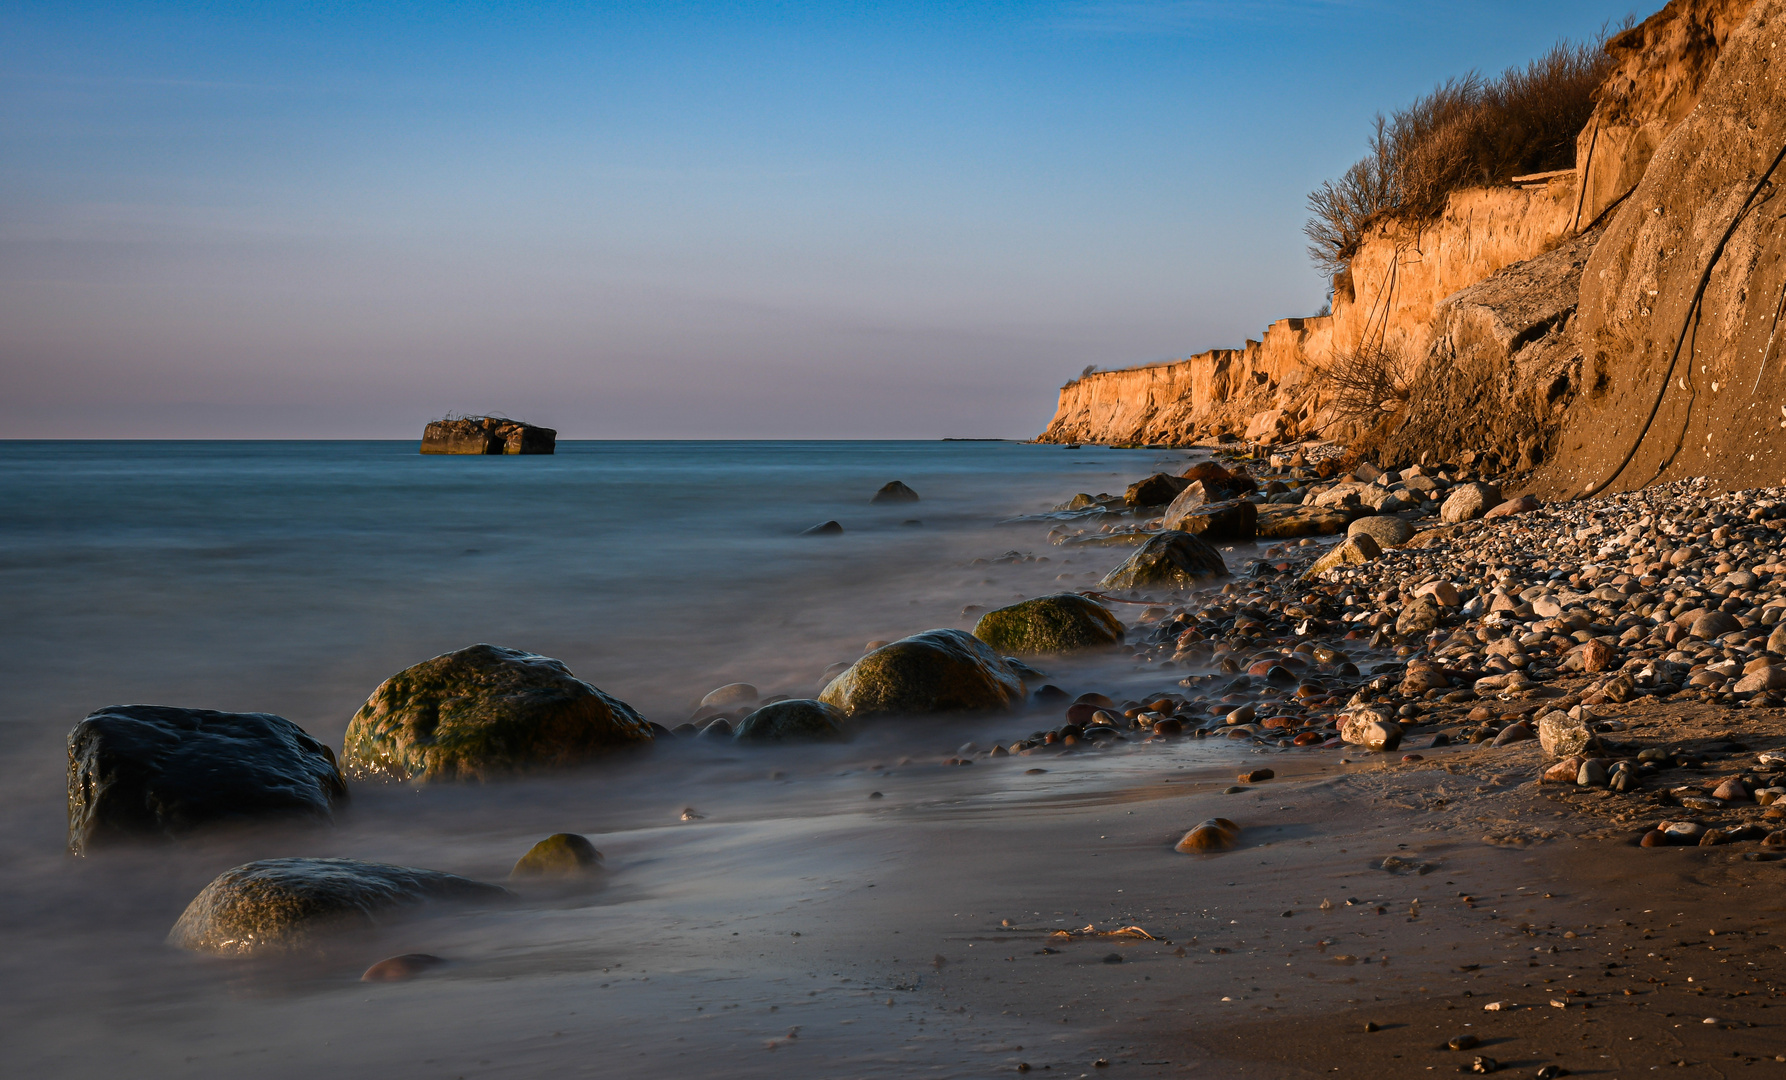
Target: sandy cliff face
1681	303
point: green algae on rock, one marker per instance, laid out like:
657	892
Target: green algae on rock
794	720
483	711
937	671
1063	622
559	855
1172	559
155	771
280	905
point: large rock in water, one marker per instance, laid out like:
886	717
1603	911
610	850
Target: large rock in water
895	491
794	720
1172	559
485	711
138	771
278	905
1157	490
1063	622
487	435
938	671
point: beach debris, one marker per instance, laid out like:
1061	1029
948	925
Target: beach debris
1215	834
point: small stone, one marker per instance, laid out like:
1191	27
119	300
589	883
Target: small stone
558	855
1215	834
1563	735
1256	776
1563	772
1597	656
1371	729
1513	733
1485	1065
1592	773
730	695
828	528
1525	504
1371	1025
400	968
1113	958
1732	790
1462	1042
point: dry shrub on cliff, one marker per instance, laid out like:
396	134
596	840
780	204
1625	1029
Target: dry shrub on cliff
1364	386
1468	132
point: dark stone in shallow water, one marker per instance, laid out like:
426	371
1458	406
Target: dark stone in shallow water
138	771
277	905
559	855
938	671
895	491
829	528
794	720
1171	559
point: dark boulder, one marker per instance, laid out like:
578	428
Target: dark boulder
1157	490
279	905
1063	622
138	771
938	671
828	528
1172	559
794	720
1236	519
487	435
559	855
484	711
895	492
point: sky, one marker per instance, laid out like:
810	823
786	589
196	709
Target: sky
680	220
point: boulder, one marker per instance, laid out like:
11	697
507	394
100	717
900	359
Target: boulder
487	435
1282	522
938	671
895	491
1208	471
1157	490
1063	622
1236	519
559	855
1372	729
1216	834
1386	529
1419	615
137	771
1172	559
794	720
1467	502
1563	735
279	905
1352	551
485	710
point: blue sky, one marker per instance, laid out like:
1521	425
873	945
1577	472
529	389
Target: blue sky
695	220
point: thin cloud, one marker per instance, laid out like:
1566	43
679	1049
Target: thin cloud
1182	16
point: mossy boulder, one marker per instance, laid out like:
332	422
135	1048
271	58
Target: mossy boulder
794	720
280	905
1171	559
1063	622
155	771
559	855
486	711
938	671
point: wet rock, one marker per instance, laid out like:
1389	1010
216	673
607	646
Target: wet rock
1170	559
1468	502
486	711
278	905
1215	834
1157	490
401	968
730	696
1563	735
559	855
1063	622
794	720
938	671
895	491
1387	530
1371	729
147	771
826	528
1236	519
1352	551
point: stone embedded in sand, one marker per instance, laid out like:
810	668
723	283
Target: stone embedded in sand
730	696
938	671
1352	551
1419	615
1157	490
401	968
483	711
1387	530
1216	834
1714	624
1468	502
895	491
559	855
278	905
1169	559
794	720
141	771
1236	519
1372	729
1063	622
1563	735
487	435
